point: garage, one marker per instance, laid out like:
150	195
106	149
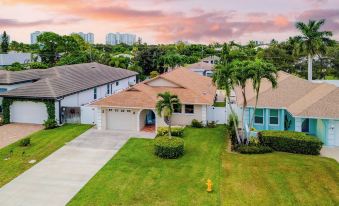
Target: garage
28	112
121	119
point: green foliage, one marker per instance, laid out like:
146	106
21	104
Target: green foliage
25	142
4	42
169	148
50	44
37	65
16	66
231	128
175	131
290	141
154	74
252	149
76	58
196	124
254	141
211	124
50	124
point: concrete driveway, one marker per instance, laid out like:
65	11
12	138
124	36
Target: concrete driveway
10	133
331	152
56	179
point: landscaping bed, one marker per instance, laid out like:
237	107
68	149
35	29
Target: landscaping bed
14	159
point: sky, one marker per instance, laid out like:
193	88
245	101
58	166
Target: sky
167	21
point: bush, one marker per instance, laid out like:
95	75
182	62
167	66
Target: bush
37	65
211	124
289	141
50	124
253	149
176	131
169	148
254	141
196	124
25	142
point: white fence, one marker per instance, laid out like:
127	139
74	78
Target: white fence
88	115
217	114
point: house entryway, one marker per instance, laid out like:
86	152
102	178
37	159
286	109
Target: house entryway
147	120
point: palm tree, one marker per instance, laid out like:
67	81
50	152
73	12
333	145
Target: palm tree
223	78
261	70
165	107
312	40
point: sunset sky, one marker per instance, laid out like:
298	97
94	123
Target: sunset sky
166	21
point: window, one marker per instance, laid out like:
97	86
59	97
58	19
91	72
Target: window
2	90
116	83
128	110
274	116
108	90
122	110
110	110
95	93
177	108
116	110
259	116
305	125
189	109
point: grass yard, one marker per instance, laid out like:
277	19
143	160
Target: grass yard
43	143
136	177
279	179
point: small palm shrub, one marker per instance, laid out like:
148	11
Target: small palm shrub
177	131
196	124
211	124
25	142
169	148
50	124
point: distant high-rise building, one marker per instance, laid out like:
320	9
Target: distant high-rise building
34	36
117	38
89	37
9	37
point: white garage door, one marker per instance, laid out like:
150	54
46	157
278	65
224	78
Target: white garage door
28	112
121	119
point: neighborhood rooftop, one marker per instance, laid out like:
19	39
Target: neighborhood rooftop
299	97
201	65
61	80
190	87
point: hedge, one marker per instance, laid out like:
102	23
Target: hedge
253	149
168	148
290	141
176	131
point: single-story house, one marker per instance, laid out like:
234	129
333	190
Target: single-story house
211	59
12	57
295	105
134	108
202	68
64	88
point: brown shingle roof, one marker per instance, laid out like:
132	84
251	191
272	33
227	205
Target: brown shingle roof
192	89
201	65
65	80
298	96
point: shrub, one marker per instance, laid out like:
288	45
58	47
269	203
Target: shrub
253	149
289	141
176	131
211	124
25	142
196	124
254	141
169	148
37	65
50	124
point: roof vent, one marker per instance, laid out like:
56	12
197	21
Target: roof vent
92	67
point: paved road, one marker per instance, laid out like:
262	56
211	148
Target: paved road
10	133
56	179
331	152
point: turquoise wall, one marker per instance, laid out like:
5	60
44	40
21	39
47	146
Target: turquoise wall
321	130
266	115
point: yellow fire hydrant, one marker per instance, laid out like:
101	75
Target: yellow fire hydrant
209	185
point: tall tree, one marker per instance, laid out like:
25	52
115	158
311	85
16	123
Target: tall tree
313	41
224	79
4	42
261	70
50	45
165	107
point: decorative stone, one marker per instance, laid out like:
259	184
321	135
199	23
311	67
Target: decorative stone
32	161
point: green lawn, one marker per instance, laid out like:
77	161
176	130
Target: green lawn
43	143
136	177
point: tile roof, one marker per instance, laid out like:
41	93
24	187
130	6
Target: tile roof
200	65
65	80
298	96
191	89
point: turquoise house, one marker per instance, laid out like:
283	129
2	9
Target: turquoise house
295	105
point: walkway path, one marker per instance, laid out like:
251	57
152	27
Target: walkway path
56	179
